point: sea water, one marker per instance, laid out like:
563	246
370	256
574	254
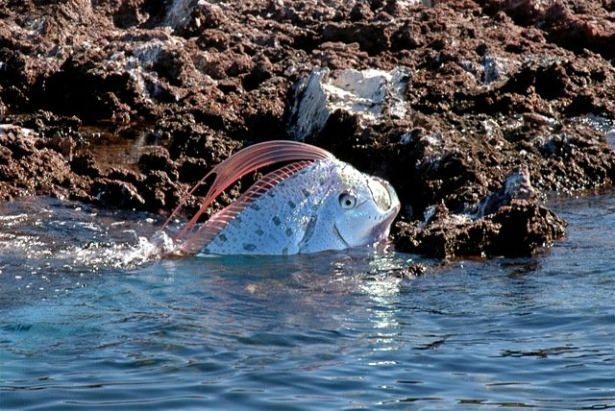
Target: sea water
92	318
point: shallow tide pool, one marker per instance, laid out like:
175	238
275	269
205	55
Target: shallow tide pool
90	317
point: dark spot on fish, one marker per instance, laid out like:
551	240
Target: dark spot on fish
285	251
206	251
289	232
276	220
321	181
306	193
291	204
249	247
222	238
238	219
259	232
254	206
270	194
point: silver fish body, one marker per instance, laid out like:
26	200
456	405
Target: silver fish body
328	205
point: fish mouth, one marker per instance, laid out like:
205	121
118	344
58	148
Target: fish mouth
386	200
381	231
383	193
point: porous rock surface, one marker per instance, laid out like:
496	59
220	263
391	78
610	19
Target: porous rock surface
473	109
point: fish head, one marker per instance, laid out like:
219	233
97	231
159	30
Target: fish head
362	207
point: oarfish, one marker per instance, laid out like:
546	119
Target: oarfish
313	203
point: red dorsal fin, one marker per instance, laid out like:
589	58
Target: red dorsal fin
244	162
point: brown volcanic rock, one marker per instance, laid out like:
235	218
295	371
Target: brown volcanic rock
518	229
132	101
26	169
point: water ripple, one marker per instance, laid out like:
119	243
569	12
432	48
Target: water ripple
85	325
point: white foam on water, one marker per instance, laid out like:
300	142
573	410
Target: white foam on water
64	238
120	255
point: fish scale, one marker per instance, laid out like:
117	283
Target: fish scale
282	215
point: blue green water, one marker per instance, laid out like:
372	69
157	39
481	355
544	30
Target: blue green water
91	319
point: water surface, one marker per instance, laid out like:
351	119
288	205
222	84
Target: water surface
90	317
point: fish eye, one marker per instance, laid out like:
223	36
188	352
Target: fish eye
347	200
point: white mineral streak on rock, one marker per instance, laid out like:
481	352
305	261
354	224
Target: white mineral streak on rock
493	69
516	186
490	69
434	140
409	3
310	111
7	128
147	54
368	94
452	219
406	138
139	64
179	12
610	137
428	214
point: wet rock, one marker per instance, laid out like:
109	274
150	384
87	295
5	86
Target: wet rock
525	228
519	229
361	11
509	222
27	170
120	193
126	175
85	164
159	192
192	169
417	269
517	186
158	159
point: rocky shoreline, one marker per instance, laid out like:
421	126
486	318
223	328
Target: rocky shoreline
475	111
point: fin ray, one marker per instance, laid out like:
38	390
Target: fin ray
214	226
238	165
